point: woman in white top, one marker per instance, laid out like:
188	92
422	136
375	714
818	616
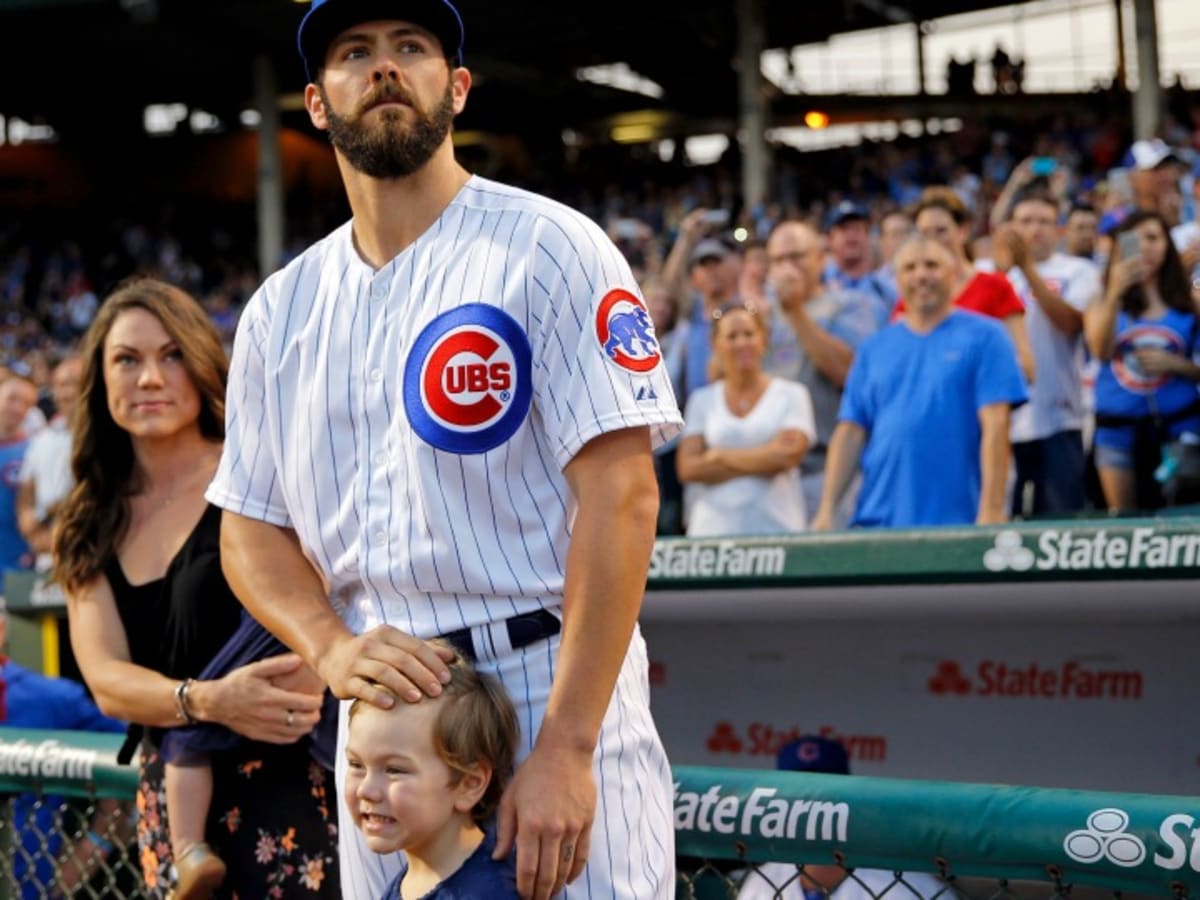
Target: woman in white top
743	438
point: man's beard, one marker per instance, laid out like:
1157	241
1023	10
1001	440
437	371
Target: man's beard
388	150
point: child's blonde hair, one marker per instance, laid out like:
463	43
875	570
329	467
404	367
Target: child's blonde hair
475	723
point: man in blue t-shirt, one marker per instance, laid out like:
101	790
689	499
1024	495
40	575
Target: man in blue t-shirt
30	700
926	410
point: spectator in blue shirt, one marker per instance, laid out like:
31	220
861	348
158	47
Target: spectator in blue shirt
926	410
35	701
851	263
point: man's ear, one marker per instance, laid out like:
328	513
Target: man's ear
471	787
460	80
315	104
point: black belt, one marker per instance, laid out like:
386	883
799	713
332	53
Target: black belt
523	630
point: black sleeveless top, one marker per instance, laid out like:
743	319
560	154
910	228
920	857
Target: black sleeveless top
176	624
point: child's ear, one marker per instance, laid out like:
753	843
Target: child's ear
471	787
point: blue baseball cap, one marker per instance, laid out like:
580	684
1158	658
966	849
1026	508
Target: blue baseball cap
845	212
329	18
813	753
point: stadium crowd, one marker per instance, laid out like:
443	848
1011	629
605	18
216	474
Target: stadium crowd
1030	218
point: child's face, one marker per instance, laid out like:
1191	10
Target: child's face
398	790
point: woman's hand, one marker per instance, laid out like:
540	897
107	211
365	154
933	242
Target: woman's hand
1124	275
1156	361
249	701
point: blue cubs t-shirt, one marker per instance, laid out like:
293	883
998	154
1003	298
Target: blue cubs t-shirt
1123	388
14	552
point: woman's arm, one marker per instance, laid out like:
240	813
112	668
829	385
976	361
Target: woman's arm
694	461
244	701
784	451
1100	318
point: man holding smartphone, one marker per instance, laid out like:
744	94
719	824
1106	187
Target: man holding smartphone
1047	432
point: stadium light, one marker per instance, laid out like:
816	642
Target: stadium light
816	120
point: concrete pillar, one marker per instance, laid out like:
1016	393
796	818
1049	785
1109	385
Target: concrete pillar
1147	101
270	168
919	33
752	102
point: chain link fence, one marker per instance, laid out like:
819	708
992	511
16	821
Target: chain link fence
59	847
68	822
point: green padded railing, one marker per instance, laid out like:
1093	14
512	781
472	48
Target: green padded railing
1076	550
1133	843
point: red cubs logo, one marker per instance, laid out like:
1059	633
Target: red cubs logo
468	378
626	333
1125	365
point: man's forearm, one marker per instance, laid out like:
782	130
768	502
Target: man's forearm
611	542
274	580
831	356
841	462
994	450
1061	314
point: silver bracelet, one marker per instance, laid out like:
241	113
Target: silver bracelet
182	709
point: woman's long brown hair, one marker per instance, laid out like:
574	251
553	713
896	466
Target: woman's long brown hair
95	515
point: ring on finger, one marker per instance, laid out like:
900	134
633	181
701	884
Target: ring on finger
291	718
567	852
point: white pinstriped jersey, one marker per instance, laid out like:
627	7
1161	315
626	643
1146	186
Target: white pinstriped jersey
412	423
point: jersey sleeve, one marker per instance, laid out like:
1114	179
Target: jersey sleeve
246	481
597	362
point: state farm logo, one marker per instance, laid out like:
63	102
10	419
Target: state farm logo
762	739
1105	838
1072	679
949	679
1008	553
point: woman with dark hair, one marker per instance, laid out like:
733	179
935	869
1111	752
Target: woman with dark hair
137	551
940	215
1143	330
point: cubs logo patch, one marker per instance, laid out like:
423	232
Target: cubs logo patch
468	379
1125	366
625	332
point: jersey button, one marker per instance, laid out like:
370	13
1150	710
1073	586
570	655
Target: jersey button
377	375
380	538
379	292
380	458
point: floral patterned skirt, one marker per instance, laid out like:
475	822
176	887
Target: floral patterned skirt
273	821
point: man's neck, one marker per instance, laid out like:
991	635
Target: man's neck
855	269
390	214
925	321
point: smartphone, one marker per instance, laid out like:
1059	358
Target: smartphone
718	218
1043	166
1130	244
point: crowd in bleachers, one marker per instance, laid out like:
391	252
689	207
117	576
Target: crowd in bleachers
1031	219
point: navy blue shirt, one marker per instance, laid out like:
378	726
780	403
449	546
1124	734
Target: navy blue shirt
479	878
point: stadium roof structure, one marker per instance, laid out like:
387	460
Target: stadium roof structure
91	66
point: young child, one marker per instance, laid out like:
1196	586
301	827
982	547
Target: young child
186	752
427	777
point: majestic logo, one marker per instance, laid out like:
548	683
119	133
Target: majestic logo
1105	838
1143	337
626	333
468	379
1008	553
